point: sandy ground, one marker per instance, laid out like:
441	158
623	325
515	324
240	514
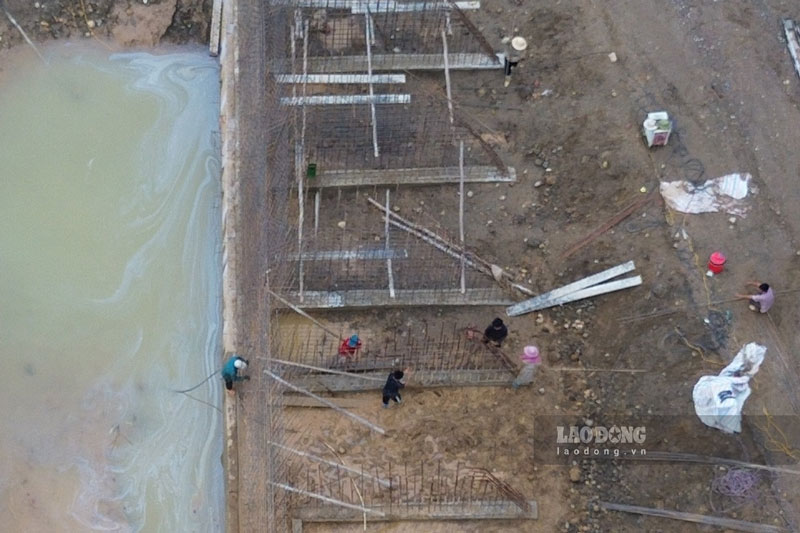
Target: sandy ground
722	71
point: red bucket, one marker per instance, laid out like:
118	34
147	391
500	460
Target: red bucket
716	263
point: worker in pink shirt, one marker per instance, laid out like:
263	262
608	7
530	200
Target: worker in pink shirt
761	301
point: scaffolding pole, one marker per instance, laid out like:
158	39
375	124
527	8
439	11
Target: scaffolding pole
461	212
299	164
388	256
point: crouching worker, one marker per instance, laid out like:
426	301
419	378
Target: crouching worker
230	372
762	301
391	391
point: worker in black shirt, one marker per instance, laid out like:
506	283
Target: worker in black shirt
495	333
391	391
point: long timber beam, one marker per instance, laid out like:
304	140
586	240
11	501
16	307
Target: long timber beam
429	378
341	79
402	298
410	176
385	62
345	99
357	6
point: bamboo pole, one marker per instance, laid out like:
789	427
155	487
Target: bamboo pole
447	78
303	313
327	402
323	460
327	370
453	250
326	499
368	31
388	257
729	523
460	202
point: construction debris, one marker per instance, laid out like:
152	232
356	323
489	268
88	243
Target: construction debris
725	193
585	288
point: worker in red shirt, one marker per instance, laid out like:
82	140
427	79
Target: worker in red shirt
350	346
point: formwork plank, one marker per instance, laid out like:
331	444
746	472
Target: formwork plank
403	298
428	378
410	176
332	65
477	510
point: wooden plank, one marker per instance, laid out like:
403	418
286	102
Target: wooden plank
387	6
292	400
347	255
216	28
791	41
410	176
341	79
603	288
729	523
383	62
421	511
346	99
533	304
326	383
407	297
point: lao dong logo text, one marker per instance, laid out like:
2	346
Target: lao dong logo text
599	441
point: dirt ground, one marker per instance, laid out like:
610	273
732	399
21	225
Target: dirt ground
115	23
722	71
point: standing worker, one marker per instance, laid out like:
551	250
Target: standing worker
514	49
763	300
530	361
391	391
230	372
495	333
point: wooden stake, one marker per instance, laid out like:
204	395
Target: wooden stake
388	257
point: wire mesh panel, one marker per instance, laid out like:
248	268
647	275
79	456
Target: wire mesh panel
410	487
263	161
398	35
439	347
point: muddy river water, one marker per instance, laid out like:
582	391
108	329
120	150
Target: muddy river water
110	292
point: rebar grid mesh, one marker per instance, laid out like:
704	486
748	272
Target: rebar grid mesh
433	347
423	485
358	261
266	231
413	135
398	29
263	160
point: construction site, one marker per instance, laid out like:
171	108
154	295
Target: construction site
391	185
381	181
